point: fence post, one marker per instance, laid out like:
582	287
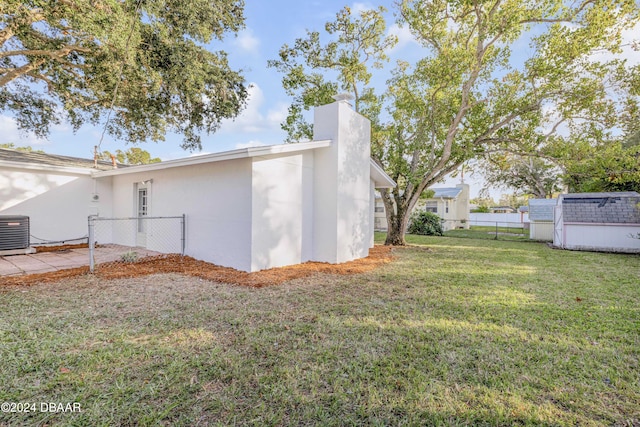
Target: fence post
183	224
496	231
92	241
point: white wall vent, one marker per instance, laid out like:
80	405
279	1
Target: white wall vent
14	232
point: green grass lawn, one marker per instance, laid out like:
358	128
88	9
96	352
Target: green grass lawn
453	332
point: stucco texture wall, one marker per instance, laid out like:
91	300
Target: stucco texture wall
58	204
342	218
282	210
216	197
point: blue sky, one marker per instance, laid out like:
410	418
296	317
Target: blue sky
269	25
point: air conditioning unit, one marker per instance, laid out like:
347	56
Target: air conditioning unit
14	232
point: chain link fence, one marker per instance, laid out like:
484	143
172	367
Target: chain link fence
125	240
497	230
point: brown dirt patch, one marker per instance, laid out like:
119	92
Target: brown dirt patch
378	255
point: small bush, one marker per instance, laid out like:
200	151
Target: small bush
425	223
130	256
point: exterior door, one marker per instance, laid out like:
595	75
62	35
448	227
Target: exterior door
142	210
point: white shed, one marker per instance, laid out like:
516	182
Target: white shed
541	219
608	222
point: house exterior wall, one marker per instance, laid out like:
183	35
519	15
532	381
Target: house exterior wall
270	210
372	213
282	210
57	202
216	198
342	225
458	215
602	237
379	216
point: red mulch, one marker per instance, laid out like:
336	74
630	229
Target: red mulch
60	247
378	255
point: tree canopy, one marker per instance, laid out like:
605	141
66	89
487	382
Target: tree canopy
26	149
76	60
468	95
525	174
132	156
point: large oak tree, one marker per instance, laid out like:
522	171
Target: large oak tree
143	63
469	94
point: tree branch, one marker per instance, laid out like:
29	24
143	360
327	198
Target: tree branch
17	72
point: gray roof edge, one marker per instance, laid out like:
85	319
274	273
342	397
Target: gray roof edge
600	195
44	160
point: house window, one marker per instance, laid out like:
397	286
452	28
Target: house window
446	206
431	207
379	208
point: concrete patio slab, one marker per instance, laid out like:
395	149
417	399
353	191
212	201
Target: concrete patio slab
8	269
43	262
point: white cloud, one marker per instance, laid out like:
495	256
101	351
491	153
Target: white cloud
278	114
247	42
629	38
249	144
252	120
10	133
361	7
404	36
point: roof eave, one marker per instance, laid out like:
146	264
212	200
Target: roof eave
241	153
380	177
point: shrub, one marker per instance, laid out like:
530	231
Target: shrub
425	223
130	256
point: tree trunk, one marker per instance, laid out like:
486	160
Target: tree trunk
397	226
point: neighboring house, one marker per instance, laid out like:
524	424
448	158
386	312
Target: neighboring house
250	209
541	219
450	204
607	222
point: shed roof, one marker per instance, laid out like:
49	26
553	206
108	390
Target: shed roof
599	208
541	209
587	196
17	157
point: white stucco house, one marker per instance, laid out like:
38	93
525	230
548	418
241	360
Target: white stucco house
250	209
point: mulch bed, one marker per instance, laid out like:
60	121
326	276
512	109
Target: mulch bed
60	248
378	255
